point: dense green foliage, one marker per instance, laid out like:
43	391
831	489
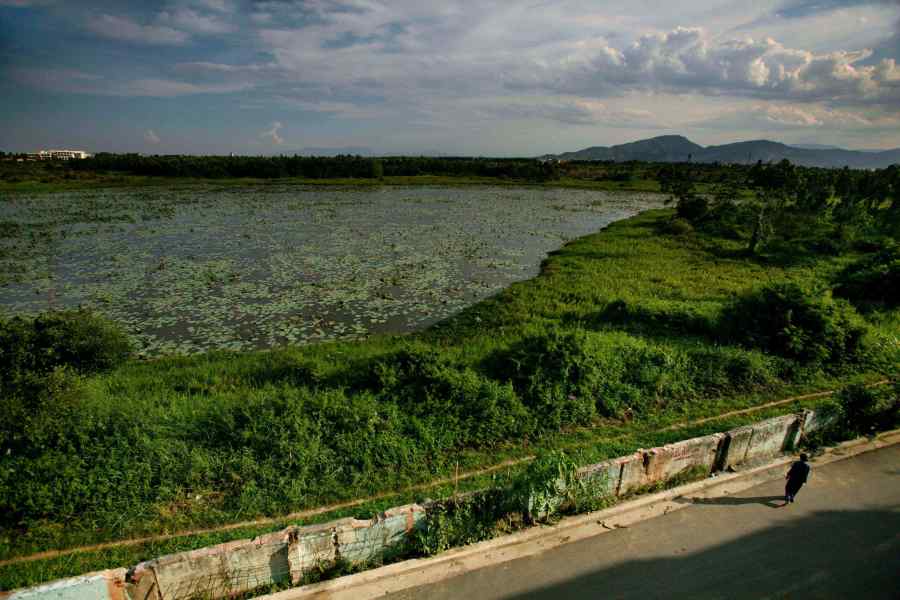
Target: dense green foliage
787	320
547	488
667	315
76	339
791	209
858	410
862	410
618	332
873	280
44	435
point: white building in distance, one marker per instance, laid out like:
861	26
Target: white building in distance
58	155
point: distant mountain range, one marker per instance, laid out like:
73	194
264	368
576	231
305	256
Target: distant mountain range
677	148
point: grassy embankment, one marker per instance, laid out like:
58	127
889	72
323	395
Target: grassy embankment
191	442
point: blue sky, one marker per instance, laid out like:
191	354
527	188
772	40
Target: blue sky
462	77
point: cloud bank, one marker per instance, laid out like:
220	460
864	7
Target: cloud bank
429	71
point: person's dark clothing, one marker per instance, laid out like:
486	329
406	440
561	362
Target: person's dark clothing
796	477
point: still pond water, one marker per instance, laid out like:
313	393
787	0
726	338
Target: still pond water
189	269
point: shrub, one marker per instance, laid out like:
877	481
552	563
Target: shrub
460	521
62	457
78	339
692	208
657	317
864	410
679	226
556	375
725	368
464	407
873	279
790	321
548	483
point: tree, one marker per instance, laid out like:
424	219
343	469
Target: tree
774	186
679	183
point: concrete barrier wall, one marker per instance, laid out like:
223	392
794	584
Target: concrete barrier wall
737	442
817	420
772	437
631	473
244	565
312	546
235	567
216	571
605	475
103	585
661	464
361	541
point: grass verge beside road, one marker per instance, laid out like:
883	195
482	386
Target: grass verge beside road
586	447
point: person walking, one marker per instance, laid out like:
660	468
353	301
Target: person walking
796	477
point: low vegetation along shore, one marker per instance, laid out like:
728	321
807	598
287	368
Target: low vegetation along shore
665	317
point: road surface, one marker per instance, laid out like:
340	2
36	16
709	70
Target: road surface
840	539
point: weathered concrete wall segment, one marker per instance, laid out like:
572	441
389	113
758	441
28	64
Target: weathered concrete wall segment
240	566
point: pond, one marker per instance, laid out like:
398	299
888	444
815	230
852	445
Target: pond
188	269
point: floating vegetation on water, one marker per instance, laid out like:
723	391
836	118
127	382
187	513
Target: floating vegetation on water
187	270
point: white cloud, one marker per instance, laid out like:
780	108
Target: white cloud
336	108
272	135
195	22
150	137
210	67
687	58
218	5
566	110
261	18
828	25
79	82
508	47
166	88
24	3
781	116
583	67
125	29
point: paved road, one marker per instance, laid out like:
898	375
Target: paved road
841	539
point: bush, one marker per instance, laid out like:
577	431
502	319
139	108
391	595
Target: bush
656	317
62	458
58	454
865	410
545	487
78	339
679	226
860	410
464	407
725	368
458	522
790	321
873	279
692	208
556	375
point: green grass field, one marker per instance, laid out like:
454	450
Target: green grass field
614	340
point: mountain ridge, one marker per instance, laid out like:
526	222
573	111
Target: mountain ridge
678	148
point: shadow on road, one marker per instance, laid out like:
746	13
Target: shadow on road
829	554
770	501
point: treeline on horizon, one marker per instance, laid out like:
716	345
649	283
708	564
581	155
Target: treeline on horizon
359	167
315	167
